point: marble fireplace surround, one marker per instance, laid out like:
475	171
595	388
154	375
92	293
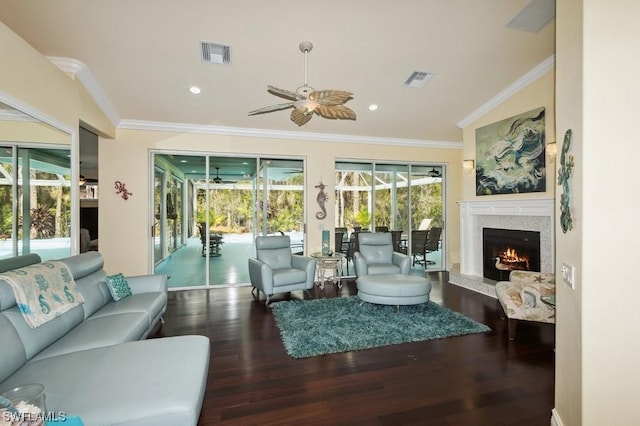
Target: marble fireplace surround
528	215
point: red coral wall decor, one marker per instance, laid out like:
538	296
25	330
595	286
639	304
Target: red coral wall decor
121	189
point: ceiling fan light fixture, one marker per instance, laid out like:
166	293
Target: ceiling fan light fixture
306	100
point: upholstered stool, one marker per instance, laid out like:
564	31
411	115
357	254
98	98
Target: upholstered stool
393	289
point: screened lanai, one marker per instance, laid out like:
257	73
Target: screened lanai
245	197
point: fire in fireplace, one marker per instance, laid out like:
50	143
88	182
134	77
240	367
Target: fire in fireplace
506	250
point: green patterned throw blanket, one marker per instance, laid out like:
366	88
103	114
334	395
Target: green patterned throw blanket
43	291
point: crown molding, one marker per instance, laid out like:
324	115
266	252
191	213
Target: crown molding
82	72
15	115
281	134
35	114
537	72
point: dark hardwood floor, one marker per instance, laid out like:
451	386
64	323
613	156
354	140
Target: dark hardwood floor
481	379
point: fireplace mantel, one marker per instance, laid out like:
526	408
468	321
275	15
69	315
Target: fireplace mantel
529	215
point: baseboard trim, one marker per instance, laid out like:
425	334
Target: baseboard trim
555	418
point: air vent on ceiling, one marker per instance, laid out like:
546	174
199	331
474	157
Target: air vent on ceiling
214	53
418	79
534	16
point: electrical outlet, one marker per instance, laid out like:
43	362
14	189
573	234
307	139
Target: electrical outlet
568	274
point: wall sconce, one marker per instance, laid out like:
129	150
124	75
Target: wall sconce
552	149
467	166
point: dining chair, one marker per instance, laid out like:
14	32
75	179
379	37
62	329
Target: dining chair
396	239
418	243
432	243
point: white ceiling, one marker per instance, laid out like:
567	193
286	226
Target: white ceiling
144	54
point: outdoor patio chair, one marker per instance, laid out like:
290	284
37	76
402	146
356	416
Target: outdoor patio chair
432	244
418	246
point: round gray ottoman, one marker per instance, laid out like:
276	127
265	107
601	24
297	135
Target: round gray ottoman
393	289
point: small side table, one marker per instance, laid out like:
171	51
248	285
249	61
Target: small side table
326	263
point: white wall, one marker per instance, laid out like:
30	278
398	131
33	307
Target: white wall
598	338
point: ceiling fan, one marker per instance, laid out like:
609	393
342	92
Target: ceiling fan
219	180
306	100
84	180
434	173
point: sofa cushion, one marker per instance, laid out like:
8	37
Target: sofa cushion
136	383
98	332
382	253
35	340
13	352
382	268
118	286
151	304
288	276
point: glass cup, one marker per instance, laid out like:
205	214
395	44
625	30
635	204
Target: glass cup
29	400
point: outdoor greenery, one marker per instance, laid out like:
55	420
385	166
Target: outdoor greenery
50	215
426	202
231	209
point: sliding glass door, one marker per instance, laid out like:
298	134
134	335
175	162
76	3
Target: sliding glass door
280	195
209	208
396	198
35	200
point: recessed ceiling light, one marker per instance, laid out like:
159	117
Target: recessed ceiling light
373	107
183	161
195	90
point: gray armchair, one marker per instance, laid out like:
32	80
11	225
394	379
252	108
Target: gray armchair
375	256
276	270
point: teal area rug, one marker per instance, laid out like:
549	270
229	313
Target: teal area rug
325	326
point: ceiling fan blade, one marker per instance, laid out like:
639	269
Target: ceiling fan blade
271	108
286	94
340	112
300	118
331	97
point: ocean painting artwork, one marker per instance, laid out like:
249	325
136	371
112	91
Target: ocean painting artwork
510	155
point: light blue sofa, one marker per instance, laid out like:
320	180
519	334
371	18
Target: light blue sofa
92	360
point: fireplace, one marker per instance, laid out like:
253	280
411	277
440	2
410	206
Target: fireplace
506	250
475	215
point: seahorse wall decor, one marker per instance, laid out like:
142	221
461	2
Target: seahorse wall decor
321	199
564	173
